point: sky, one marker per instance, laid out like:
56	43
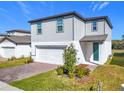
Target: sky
16	14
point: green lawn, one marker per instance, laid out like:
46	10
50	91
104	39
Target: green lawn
118	58
12	63
111	76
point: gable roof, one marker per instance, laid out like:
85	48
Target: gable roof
18	39
20	31
73	13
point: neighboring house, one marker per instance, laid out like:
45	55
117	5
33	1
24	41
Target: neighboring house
91	38
2	36
19	32
15	44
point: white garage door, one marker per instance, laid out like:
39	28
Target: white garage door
50	55
8	52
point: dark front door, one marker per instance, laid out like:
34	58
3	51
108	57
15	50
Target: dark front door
96	51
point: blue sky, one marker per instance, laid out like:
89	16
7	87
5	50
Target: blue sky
14	15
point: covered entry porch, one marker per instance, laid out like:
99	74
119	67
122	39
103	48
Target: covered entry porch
93	48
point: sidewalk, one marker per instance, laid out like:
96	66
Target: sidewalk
6	87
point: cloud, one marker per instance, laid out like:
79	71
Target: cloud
9	18
92	3
43	3
97	6
5	14
24	7
3	10
103	5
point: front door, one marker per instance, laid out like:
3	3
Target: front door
96	51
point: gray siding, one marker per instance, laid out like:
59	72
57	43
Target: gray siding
49	33
79	29
100	28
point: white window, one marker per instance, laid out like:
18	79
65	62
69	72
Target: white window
94	26
59	24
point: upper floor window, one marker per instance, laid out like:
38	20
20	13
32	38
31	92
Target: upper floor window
39	28
60	25
94	26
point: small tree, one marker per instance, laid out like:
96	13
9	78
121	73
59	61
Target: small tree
70	59
122	37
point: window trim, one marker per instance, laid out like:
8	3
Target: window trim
40	28
93	26
59	25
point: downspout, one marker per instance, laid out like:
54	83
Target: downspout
73	28
85	28
104	27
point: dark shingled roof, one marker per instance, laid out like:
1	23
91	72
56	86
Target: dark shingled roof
19	30
94	38
58	15
18	39
74	14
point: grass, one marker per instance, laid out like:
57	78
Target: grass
118	51
44	81
12	63
118	58
111	76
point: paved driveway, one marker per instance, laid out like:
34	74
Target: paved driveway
20	72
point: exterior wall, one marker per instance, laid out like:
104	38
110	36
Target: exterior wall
107	47
22	50
5	43
49	31
79	29
100	28
88	52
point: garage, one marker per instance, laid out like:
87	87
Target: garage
8	52
50	54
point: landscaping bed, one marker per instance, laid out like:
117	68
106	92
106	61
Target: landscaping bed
15	62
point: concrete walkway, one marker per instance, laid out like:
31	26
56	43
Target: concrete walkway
6	87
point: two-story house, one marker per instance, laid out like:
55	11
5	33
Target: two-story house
91	38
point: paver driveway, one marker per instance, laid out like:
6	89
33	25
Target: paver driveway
20	72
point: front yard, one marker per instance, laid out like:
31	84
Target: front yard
14	62
111	76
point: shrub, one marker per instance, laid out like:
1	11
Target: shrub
13	58
119	54
71	74
70	59
28	60
80	72
59	70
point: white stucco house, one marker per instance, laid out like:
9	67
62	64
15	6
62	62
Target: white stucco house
91	38
16	43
